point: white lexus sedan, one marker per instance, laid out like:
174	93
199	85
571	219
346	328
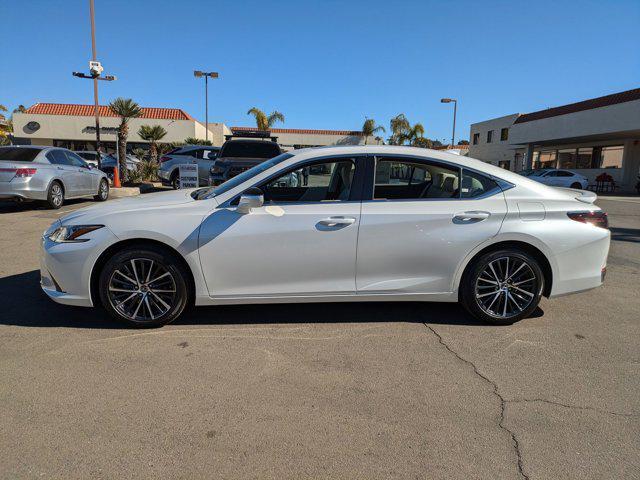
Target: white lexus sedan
364	223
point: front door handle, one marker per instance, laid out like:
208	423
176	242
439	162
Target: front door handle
470	217
337	221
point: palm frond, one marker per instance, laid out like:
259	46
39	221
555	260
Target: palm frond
125	108
274	117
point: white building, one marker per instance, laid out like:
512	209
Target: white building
73	126
593	136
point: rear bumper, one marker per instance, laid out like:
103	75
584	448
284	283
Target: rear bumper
24	189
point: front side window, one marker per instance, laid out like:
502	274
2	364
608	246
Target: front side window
318	182
397	179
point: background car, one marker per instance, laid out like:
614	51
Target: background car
371	223
202	155
91	157
555	177
240	154
49	174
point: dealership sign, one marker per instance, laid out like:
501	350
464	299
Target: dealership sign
188	175
107	130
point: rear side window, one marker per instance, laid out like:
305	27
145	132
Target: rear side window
58	157
21	154
474	185
563	173
398	179
87	155
255	149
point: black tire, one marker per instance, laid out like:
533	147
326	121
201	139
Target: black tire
139	310
476	293
175	180
55	195
576	185
103	191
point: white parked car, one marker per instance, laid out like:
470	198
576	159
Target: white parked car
368	223
559	178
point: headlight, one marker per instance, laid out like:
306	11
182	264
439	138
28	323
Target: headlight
71	233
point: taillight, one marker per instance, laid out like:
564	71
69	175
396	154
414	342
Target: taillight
164	159
598	219
25	172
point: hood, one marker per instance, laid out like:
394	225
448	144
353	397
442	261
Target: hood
140	202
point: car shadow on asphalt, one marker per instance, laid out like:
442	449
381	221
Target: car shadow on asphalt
625	234
25	305
9	206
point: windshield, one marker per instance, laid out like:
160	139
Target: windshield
211	192
19	154
250	149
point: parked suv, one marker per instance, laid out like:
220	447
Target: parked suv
202	155
238	155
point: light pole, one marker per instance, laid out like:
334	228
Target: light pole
206	75
455	107
95	69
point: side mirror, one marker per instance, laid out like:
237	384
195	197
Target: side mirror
251	198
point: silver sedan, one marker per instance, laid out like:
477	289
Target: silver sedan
48	174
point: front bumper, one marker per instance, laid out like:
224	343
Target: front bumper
65	268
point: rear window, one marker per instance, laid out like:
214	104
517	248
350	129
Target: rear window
21	154
250	149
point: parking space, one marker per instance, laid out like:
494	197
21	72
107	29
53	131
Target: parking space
379	390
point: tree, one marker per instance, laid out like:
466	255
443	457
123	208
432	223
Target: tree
415	134
197	141
463	142
126	109
264	121
369	128
152	134
400	128
422	142
19	109
5	127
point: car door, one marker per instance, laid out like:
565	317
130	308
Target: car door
67	172
88	179
551	178
302	241
420	219
205	162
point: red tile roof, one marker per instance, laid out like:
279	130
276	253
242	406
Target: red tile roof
302	131
87	111
605	101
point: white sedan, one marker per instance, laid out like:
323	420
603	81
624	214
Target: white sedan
559	178
370	223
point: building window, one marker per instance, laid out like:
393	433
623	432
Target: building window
567	158
504	134
547	159
584	158
611	157
506	164
476	138
489	135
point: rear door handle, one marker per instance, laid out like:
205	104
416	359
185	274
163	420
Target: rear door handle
471	217
337	221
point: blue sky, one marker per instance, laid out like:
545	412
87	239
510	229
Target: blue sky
326	64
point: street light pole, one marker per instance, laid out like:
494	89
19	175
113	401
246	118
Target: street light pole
95	80
206	75
455	108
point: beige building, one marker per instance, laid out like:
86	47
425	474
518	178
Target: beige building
73	126
590	137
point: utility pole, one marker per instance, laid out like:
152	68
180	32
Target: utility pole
95	69
206	75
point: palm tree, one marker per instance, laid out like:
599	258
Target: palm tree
152	134
20	109
400	128
5	127
126	109
197	141
264	121
415	133
369	128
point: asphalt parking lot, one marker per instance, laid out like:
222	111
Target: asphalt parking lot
320	391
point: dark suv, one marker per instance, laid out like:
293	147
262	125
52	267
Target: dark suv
238	155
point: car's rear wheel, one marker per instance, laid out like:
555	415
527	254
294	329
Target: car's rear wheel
502	287
175	180
576	185
55	195
103	191
144	286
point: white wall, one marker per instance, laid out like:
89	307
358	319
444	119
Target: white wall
498	150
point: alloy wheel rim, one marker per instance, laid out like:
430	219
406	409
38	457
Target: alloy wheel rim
104	189
142	290
56	192
506	287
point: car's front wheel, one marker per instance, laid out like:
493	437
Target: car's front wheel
144	286
502	287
